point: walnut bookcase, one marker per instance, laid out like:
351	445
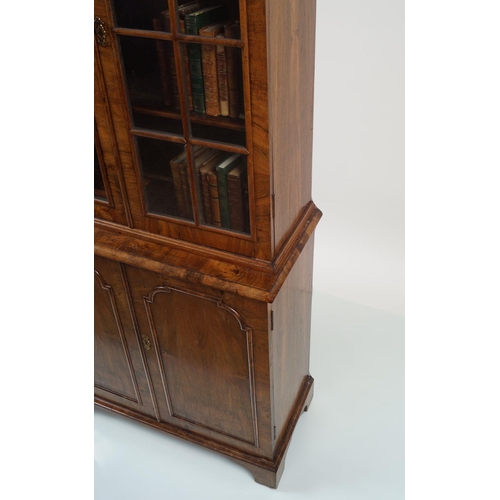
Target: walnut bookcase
203	291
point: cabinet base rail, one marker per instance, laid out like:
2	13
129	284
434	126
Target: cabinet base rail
265	471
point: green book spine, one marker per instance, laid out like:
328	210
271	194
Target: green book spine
222	171
194	22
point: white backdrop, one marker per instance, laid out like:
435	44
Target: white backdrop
358	163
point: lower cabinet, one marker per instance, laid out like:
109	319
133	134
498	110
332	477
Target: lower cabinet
197	363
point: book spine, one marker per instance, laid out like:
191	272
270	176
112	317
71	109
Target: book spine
210	82
183	11
246	204
206	198
185	59
161	50
235	192
214	198
186	191
233	63
195	67
223	197
222	78
172	72
179	193
194	22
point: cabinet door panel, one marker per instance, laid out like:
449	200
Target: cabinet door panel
113	370
109	193
203	356
119	374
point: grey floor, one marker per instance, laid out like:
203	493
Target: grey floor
349	445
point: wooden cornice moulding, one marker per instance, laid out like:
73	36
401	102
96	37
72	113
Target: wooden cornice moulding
244	276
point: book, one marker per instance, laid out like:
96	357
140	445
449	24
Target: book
233	65
200	155
214	197
205	193
161	50
183	10
237	191
185	61
222	170
209	64
186	9
170	65
208	166
222	78
175	168
178	168
194	21
169	50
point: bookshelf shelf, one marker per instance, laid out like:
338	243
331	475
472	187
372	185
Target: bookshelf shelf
204	220
159	177
214	121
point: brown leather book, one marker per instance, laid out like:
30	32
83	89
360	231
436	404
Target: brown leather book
222	78
175	168
207	167
209	64
238	197
185	61
214	197
161	50
200	155
233	62
172	72
178	168
205	192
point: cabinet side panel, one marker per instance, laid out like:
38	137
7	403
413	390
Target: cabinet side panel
291	44
290	338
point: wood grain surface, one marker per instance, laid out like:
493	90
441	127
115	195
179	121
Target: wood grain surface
278	90
200	331
291	43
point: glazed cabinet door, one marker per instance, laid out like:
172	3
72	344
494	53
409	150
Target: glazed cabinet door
208	360
180	93
109	190
120	371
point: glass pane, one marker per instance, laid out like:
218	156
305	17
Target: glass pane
139	14
215	88
165	178
99	190
152	84
222	186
